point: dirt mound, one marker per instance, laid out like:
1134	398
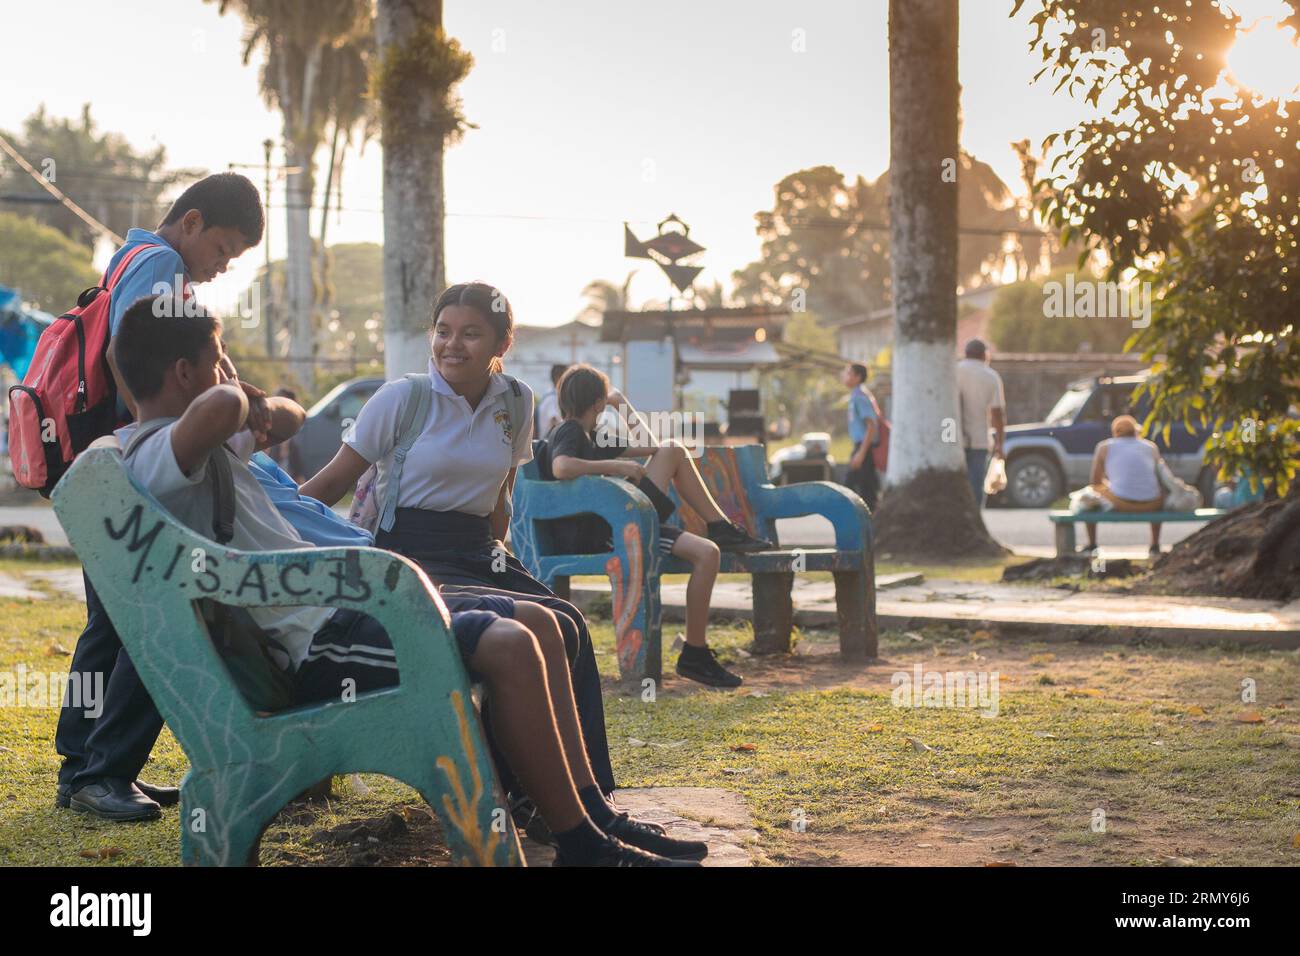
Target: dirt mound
1071	566
1253	552
932	516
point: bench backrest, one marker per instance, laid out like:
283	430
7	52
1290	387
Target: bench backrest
148	569
730	472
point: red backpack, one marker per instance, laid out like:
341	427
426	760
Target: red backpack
880	450
67	398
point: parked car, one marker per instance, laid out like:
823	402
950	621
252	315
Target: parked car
1046	460
321	434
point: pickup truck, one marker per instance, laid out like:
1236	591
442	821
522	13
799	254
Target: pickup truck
1048	459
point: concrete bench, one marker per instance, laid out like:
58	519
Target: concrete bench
737	477
245	764
1064	521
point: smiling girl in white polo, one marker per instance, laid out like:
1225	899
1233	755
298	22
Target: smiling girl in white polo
452	500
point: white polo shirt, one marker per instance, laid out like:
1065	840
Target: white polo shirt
462	456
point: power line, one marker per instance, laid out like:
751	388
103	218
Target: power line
53	190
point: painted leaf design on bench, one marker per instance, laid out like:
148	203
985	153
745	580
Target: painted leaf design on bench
627	597
463	813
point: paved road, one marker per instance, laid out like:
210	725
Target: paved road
1024	530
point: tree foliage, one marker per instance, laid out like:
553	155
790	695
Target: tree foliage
102	172
830	238
1018	322
45	266
1190	182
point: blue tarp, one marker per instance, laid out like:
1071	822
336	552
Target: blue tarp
20	327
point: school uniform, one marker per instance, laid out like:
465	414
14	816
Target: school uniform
450	483
319	646
588	534
863	480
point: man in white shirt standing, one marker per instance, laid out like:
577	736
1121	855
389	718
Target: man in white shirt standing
548	409
982	404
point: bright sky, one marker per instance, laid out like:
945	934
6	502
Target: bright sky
590	112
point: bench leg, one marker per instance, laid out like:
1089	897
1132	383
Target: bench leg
855	608
1064	539
773	612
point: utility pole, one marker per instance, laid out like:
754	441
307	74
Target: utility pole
269	310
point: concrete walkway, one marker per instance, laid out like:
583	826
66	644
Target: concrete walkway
1022	610
1028	611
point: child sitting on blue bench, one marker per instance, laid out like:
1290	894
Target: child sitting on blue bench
574	448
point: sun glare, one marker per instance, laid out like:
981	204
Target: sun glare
1266	60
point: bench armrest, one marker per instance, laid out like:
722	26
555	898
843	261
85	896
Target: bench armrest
846	512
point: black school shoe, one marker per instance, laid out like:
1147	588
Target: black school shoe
651	839
113	799
700	664
617	853
529	822
163	796
729	536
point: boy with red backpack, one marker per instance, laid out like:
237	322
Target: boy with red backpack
869	432
73	395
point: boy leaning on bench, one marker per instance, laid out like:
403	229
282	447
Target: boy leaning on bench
195	423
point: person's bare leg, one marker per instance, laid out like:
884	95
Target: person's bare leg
1155	534
1092	533
541	621
705	559
514	670
672	463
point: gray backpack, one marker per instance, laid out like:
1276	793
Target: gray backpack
374	501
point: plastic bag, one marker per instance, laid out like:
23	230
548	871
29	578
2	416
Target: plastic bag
995	480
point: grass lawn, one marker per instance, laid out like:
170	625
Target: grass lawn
1156	740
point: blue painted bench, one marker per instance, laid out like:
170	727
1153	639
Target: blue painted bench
1064	521
246	765
737	477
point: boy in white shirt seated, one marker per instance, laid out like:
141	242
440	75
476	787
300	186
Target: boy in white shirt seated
172	368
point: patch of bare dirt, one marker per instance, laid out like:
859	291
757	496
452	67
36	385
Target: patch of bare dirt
1002	841
1253	552
932	516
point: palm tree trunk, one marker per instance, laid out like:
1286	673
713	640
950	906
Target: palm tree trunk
414	268
300	142
928	510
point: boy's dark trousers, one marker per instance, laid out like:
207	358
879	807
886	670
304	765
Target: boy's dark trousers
115	744
864	480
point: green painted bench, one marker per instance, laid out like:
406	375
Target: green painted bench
737	477
149	570
1064	521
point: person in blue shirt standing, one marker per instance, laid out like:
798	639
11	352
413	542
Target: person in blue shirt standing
864	431
212	222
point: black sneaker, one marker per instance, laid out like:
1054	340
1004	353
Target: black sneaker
650	837
702	665
730	536
529	822
617	853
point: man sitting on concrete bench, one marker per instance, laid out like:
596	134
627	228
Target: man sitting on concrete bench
194	427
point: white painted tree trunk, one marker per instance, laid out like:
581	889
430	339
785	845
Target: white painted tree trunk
414	270
923	107
927	508
924	410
